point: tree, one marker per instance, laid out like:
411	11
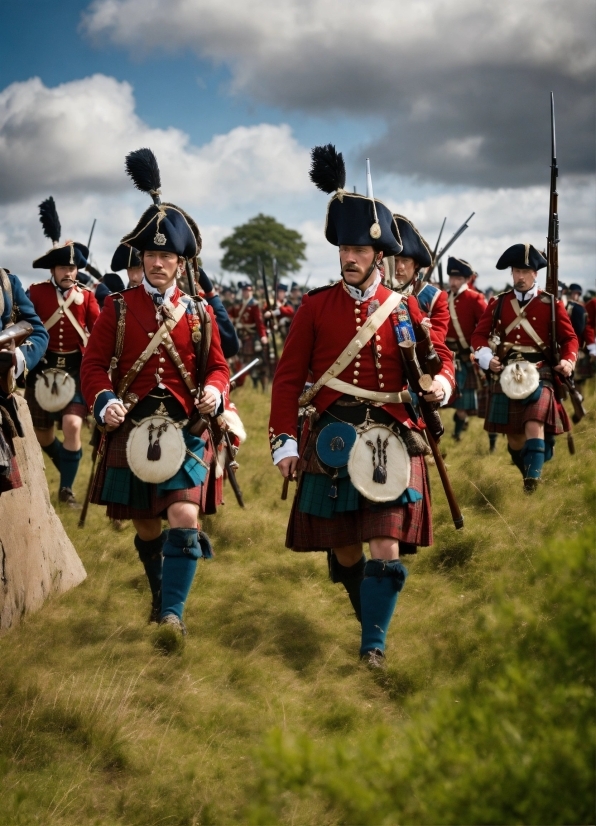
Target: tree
265	238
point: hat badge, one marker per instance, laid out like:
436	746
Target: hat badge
160	239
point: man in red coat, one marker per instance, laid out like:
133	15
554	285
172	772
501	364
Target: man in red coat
250	327
362	476
466	307
53	392
513	341
153	359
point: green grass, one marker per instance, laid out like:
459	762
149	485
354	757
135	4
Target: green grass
485	714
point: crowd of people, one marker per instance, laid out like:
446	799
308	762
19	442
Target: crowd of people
359	368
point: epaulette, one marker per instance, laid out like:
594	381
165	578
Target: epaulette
37	283
127	289
498	295
545	297
316	290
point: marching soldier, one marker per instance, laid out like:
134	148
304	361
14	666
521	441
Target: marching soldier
283	312
68	311
295	299
578	315
250	327
466	307
362	476
127	258
15	361
154	361
513	341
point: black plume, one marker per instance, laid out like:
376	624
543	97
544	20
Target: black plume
327	169
49	220
142	167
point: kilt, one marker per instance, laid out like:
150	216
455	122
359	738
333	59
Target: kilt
407	523
508	416
145	501
466	397
584	368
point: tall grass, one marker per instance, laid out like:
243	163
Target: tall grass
484	715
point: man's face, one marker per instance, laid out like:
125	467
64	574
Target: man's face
356	262
523	280
135	275
456	282
405	270
65	275
246	293
281	295
160	268
575	296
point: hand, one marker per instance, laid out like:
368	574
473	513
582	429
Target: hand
207	403
427	323
495	365
264	340
115	415
287	467
436	392
565	367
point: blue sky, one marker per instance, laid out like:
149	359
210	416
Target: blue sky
449	99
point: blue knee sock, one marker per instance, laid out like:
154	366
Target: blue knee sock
150	555
533	456
460	425
549	447
517	459
69	464
53	451
180	553
378	596
492	440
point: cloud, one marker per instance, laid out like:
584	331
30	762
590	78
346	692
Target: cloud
460	85
73	138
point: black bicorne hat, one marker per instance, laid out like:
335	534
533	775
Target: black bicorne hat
71	252
522	257
354	220
124	258
459	266
575	288
414	245
113	282
163	227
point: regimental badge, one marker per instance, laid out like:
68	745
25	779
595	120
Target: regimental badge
196	334
375	231
160	239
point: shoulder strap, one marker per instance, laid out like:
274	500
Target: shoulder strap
349	353
202	346
458	330
120	307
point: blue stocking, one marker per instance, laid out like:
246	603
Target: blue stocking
533	456
53	451
378	595
69	464
180	553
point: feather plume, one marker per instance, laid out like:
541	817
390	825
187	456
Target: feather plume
50	222
327	170
142	167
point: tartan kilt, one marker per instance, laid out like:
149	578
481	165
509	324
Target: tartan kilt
113	455
43	420
410	523
466	396
13	480
584	368
483	395
505	415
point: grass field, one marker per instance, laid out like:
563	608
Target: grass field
485	714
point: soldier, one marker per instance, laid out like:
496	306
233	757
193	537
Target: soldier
228	298
466	308
153	360
295	298
111	283
250	328
513	340
283	312
576	310
362	476
591	330
53	390
127	258
15	361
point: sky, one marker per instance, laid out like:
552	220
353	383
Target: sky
450	99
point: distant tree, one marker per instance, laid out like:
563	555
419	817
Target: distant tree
265	238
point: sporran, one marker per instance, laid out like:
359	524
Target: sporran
54	389
155	449
519	380
379	464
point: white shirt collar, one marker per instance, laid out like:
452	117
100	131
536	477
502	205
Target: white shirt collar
358	295
151	290
531	293
462	289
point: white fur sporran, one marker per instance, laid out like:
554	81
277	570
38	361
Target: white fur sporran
54	389
155	449
379	464
519	380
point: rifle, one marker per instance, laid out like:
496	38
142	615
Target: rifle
242	372
433	260
420	382
269	321
10	338
96	442
220	428
91	233
448	245
565	384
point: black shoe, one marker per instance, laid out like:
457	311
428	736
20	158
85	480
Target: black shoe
67	497
374	659
530	485
155	612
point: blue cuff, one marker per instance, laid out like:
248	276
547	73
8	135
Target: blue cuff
100	402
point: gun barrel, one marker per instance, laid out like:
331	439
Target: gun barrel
455	236
244	370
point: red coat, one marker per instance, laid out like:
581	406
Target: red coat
470	306
63	336
538	313
433	305
323	326
589	332
251	324
141	321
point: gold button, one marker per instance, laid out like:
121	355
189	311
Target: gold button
517	336
162	359
379	348
160	369
357	364
356	372
378	338
358	303
380	375
533	318
358	326
354	381
150	335
381	384
356	309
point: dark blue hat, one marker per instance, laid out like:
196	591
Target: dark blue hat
245	285
295	286
113	282
125	257
84	278
575	288
165	228
70	253
414	245
282	287
458	266
522	257
334	443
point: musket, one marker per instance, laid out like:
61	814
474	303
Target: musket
448	245
433	260
240	373
275	278
96	442
11	337
219	426
270	320
307	280
420	383
91	233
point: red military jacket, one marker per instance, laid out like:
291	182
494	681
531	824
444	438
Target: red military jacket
469	305
433	305
590	331
325	323
538	313
251	322
63	336
141	325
